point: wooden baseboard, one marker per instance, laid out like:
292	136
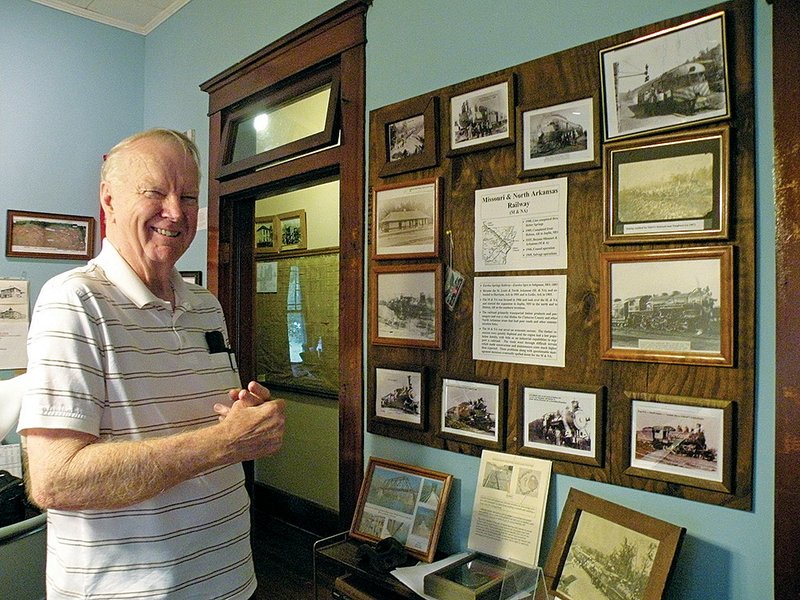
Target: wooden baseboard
296	511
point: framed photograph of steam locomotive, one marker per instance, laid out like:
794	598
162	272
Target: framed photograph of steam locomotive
563	423
682	440
408	133
667	188
668	79
400	397
402	501
591	537
406	305
406	220
670	306
474	412
482	118
558	138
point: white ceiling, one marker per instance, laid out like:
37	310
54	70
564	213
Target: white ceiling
139	16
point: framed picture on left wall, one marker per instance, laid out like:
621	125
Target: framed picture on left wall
49	235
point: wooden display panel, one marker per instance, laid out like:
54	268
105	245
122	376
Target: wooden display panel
551	80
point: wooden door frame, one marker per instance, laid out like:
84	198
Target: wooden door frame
339	35
786	101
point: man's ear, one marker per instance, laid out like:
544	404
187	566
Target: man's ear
105	200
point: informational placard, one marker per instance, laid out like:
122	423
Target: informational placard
521	227
14	319
508	512
520	319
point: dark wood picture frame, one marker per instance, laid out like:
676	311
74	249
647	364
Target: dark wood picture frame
192	277
576	437
645	314
407	219
682	440
466	412
475	116
668	188
413	516
589	530
410	124
406	305
49	235
400	397
567	137
679	79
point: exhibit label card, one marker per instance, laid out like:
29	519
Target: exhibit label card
520	319
508	512
521	227
14	318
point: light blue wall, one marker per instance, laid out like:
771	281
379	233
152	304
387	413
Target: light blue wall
70	88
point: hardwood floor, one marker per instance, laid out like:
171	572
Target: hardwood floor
282	554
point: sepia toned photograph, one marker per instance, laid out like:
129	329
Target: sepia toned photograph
400	396
563	424
402	501
673	306
406	305
606	551
473	412
559	138
407	133
482	118
46	235
291	230
682	440
667	188
666	80
406	220
264	239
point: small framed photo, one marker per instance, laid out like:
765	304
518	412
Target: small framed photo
48	235
265	238
407	220
593	534
291	230
406	305
667	188
564	424
408	133
669	306
482	118
668	79
682	440
192	277
474	412
558	138
400	397
404	502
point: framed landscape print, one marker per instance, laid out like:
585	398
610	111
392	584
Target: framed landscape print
682	440
482	118
667	188
563	424
473	412
558	138
668	79
409	135
593	534
406	305
400	397
404	502
46	235
671	306
407	220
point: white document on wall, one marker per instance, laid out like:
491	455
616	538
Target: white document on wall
521	227
508	512
520	319
14	319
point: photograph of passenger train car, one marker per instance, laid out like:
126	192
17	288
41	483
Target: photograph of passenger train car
668	79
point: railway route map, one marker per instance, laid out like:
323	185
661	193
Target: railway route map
497	242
